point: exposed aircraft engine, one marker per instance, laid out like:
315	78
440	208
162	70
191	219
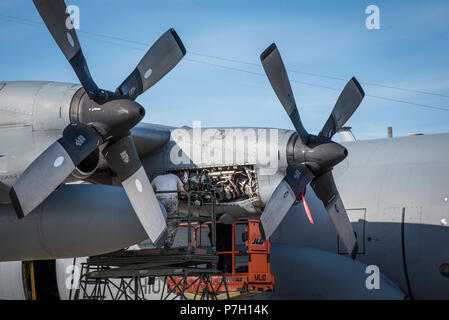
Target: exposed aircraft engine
101	118
310	158
235	190
227	184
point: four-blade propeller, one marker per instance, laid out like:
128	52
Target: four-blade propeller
311	158
115	114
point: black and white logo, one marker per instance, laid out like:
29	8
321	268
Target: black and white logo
258	242
79	140
297	174
125	156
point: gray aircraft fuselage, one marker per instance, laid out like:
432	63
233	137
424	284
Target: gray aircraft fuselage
395	191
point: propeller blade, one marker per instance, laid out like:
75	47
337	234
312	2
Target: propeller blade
326	190
348	101
52	167
58	21
123	159
276	73
283	197
163	56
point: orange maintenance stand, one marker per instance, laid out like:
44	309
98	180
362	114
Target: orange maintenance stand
255	278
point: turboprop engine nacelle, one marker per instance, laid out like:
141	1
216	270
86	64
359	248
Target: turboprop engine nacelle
75	221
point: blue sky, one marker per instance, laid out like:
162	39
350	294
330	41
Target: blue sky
321	37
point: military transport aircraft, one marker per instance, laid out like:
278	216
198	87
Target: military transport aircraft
395	191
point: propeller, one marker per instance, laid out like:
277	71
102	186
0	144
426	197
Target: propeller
310	157
123	159
275	70
107	118
348	101
163	56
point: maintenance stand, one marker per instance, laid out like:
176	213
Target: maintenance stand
188	272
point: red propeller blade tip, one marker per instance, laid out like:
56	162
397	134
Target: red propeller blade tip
306	207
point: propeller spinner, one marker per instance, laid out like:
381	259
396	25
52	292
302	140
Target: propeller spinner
312	157
115	114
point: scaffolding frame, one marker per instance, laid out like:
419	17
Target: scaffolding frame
118	275
129	286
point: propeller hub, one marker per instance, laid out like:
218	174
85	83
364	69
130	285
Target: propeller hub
326	155
112	119
320	154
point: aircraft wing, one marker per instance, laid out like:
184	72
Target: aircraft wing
148	137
